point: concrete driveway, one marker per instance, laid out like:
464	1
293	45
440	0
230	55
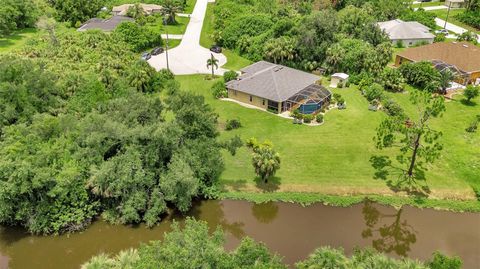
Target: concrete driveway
189	57
452	28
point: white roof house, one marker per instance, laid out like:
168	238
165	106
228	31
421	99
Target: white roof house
122	10
408	32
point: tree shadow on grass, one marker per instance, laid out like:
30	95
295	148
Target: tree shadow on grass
468	103
271	185
396	179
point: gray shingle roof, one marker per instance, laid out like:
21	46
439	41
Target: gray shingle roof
272	81
104	25
398	30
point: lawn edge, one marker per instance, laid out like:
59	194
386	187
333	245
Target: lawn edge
306	199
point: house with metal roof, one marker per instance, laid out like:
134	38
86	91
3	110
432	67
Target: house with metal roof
462	58
278	88
106	25
409	33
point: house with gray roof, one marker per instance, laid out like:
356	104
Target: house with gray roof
106	25
278	88
409	33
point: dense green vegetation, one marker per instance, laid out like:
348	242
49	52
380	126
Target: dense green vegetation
17	15
194	247
84	131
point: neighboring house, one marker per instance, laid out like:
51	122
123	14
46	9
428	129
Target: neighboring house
104	25
455	3
278	88
462	58
147	8
410	33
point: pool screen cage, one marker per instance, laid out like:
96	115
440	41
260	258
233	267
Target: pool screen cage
459	75
309	100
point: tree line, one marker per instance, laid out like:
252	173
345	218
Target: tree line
334	36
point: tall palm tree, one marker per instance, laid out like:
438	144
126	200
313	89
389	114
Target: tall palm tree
280	49
212	62
170	8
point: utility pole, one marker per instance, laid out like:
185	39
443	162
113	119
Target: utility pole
448	12
166	43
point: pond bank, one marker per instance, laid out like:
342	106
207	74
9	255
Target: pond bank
305	199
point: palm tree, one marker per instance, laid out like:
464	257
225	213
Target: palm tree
101	261
280	49
446	76
170	8
136	11
212	62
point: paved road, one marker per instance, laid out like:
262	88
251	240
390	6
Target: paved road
452	27
189	57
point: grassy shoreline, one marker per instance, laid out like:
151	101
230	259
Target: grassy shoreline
306	199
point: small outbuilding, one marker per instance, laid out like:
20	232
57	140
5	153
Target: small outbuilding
455	3
337	79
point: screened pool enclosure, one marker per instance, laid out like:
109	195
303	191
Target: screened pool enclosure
309	100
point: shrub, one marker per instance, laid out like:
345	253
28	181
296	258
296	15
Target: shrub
373	92
347	83
399	44
468	36
422	75
392	108
307	118
233	124
440	261
138	37
340	101
319	118
296	114
473	125
219	90
471	92
471	17
439	38
392	80
172	87
229	76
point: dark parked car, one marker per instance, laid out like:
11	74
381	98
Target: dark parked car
146	56
157	51
216	49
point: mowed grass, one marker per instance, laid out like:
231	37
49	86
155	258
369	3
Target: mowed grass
442	14
16	40
176	29
234	61
334	158
428	4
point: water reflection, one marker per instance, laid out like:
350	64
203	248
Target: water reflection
390	236
265	212
214	213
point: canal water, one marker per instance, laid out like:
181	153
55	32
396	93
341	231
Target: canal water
290	230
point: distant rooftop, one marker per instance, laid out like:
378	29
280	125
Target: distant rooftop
104	25
271	81
148	8
398	29
463	55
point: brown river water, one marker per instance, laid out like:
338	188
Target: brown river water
290	230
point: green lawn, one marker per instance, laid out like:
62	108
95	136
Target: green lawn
442	14
234	61
179	28
334	158
189	7
16	40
